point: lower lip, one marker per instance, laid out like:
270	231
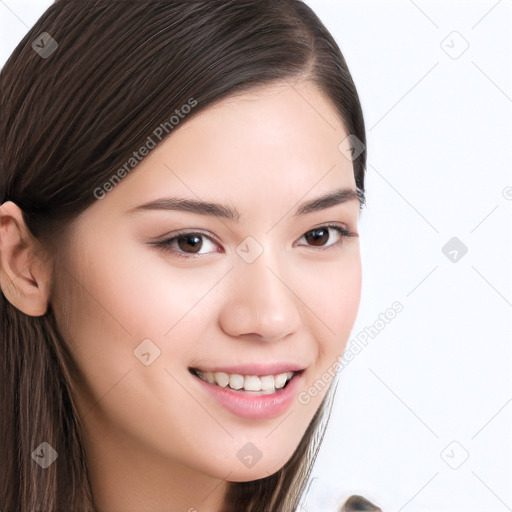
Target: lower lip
254	406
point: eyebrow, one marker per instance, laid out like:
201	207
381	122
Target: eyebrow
231	213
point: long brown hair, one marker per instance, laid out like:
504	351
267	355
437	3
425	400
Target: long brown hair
73	111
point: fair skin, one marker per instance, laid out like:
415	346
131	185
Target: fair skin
154	439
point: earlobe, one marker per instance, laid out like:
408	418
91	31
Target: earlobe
24	272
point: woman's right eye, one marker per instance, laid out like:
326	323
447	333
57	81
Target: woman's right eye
188	240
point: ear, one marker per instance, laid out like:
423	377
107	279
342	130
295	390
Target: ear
25	270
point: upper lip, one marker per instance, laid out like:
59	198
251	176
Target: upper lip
253	368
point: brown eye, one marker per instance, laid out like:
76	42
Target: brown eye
187	244
190	243
318	237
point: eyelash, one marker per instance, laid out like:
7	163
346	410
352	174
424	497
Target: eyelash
166	243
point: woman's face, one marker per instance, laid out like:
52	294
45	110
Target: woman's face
265	292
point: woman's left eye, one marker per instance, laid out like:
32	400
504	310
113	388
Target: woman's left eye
193	241
321	233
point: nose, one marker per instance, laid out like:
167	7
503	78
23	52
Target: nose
260	301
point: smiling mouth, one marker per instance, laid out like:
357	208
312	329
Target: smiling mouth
251	384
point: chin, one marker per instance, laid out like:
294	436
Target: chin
251	474
261	469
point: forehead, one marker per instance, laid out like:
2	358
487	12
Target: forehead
267	147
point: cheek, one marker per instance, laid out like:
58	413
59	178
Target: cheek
332	292
135	290
129	293
334	308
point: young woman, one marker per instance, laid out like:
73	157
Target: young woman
180	189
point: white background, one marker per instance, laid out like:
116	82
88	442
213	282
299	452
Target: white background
439	126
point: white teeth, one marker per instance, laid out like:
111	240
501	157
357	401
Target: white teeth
280	380
236	381
252	383
266	383
221	378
